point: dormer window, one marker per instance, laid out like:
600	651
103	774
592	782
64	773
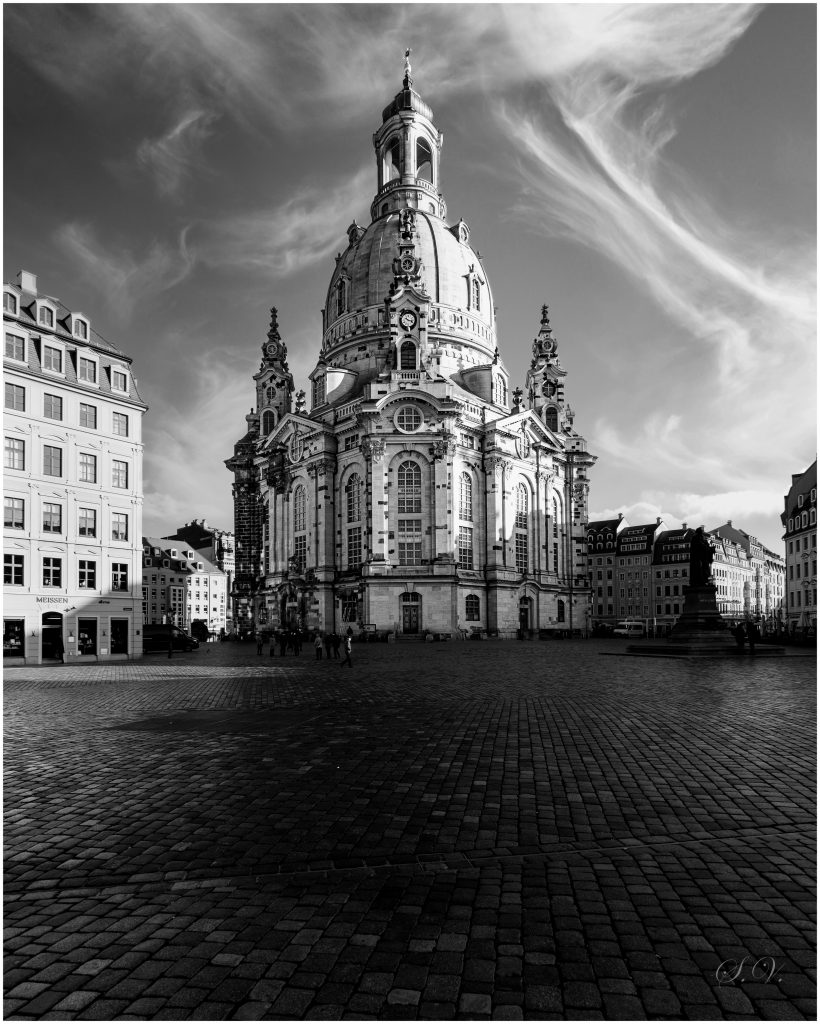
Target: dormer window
424	161
15	347
119	381
87	370
46	316
318	390
80	329
9	303
52	358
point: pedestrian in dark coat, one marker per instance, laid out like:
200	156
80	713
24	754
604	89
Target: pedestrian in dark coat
317	644
740	636
328	645
752	634
348	648
337	643
259	643
283	643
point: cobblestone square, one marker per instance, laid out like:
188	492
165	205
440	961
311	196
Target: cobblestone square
462	830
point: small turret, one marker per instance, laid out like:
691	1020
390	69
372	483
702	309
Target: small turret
274	381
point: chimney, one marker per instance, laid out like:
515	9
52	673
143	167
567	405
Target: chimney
27	281
685	526
728	522
658	521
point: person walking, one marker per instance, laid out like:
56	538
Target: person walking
740	636
283	643
752	634
337	643
328	645
317	644
259	643
348	648
272	650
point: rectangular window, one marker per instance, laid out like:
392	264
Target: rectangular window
354	547
409	541
119	381
14	513
52	572
52	407
87	522
119	473
52	359
46	316
15	454
522	562
52	460
15	347
87	575
15	397
14	632
52	517
13	570
88	468
87	370
119	576
465	547
121	424
9	303
88	416
80	330
119	526
300	552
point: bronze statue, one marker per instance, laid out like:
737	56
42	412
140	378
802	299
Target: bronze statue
700	570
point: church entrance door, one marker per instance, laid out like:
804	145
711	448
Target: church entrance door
410	613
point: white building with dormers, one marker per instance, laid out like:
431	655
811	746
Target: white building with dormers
420	492
72	486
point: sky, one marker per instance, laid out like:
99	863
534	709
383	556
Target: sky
647	170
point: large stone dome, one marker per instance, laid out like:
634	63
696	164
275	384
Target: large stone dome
451	274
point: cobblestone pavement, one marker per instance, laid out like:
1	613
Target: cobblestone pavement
447	831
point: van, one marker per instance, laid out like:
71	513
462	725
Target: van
629	629
155	638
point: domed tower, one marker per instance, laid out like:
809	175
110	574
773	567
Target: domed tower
409	294
412	496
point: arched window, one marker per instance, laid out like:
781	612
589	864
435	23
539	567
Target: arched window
318	390
341	297
551	418
560	610
500	387
465	510
299	528
424	161
472	606
555	519
270	394
392	160
407	357
268	422
522	528
476	294
353	515
409	491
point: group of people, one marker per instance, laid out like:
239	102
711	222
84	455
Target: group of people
746	633
291	641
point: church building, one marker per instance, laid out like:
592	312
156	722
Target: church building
421	492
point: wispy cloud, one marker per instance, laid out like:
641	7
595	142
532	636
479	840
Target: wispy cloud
172	157
120	278
307	228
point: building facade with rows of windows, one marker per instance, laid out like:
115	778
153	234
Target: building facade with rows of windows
181	586
72	486
421	492
799	518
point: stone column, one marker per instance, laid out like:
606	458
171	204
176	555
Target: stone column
442	511
373	450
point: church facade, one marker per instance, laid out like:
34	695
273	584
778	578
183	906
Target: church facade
420	492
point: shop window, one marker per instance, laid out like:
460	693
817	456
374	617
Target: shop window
86	636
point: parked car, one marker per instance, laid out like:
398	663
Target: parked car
629	629
155	638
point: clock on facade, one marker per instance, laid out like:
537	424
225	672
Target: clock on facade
408	320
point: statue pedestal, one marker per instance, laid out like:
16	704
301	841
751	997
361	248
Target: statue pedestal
700	632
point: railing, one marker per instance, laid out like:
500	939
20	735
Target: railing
344	411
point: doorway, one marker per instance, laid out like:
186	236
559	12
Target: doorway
410	613
525	614
52	636
119	636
